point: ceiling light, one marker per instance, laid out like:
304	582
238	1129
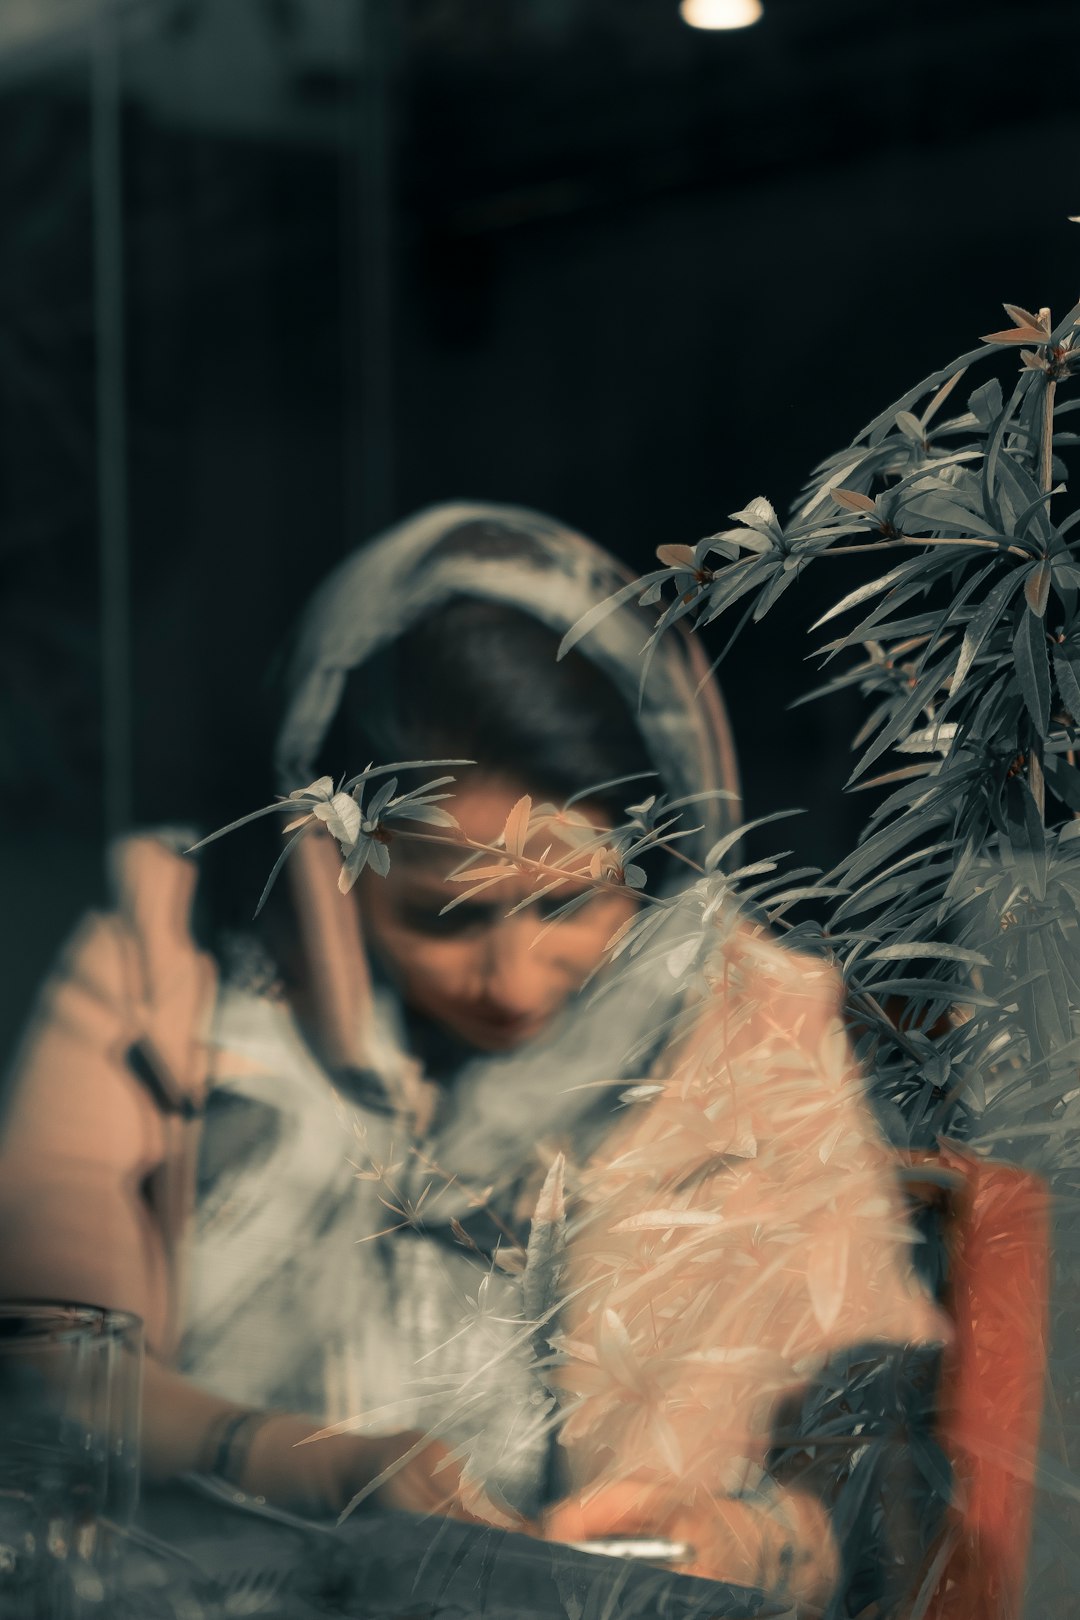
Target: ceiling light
720	13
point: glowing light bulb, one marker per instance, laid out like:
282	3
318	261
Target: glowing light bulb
720	13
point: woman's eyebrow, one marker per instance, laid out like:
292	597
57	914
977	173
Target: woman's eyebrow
435	858
431	903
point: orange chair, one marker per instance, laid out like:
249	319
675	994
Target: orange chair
992	1386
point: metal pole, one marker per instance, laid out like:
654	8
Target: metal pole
108	227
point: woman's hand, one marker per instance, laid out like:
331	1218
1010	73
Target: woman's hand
786	1548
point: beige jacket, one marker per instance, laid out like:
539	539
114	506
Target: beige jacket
801	1247
99	1141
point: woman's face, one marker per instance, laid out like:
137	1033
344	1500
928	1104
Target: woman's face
485	977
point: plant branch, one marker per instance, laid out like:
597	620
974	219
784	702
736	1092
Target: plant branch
529	863
921	540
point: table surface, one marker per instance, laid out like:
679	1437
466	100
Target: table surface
205	1551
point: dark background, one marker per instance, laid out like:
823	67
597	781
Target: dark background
276	272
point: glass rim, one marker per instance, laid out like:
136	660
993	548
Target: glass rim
57	1320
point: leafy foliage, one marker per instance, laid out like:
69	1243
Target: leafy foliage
956	919
363	832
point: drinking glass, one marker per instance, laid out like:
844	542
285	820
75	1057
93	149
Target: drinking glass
70	1390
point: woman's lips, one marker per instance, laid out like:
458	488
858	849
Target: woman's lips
501	1026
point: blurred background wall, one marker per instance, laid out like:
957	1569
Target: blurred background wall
276	272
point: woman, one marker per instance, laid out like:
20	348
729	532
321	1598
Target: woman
309	1160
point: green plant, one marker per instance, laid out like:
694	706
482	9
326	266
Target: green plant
956	920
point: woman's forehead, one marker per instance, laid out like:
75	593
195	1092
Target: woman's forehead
480	806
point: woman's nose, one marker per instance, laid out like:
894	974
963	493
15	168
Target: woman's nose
516	978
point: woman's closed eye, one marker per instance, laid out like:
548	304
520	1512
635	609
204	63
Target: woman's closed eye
439	924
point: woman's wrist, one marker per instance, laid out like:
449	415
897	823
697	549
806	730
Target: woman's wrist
266	1454
227	1442
269	1456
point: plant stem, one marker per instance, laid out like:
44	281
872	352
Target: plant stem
919	540
1036	778
1048	430
528	863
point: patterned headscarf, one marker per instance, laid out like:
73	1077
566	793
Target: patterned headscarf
530	562
500	1105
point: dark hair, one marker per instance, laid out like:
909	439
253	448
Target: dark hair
480	680
476	680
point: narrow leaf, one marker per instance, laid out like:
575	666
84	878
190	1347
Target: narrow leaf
546	1249
1033	669
288	805
276	868
729	840
854	500
516	831
602	610
862	593
1068	683
910	426
615	1352
1037	588
827	1273
936	949
982	623
677	557
881	424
